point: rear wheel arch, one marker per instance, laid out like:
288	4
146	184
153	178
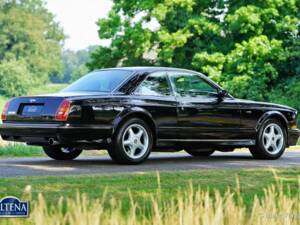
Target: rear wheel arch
132	142
145	116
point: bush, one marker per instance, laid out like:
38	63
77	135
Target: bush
30	45
15	78
287	93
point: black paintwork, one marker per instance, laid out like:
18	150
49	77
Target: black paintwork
175	121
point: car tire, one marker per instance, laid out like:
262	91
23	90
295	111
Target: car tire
271	141
60	153
200	154
131	143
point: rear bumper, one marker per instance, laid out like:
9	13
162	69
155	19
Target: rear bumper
293	136
63	133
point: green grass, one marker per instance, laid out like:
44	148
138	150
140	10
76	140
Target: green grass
2	102
47	89
19	150
44	89
22	150
252	182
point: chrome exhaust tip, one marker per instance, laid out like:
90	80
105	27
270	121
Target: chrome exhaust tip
52	141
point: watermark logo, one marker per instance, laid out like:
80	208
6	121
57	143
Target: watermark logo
13	207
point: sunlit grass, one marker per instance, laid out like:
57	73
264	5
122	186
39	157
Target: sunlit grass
43	89
19	150
47	89
143	184
2	102
188	206
12	149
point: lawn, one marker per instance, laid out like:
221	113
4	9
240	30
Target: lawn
45	89
143	185
20	150
205	197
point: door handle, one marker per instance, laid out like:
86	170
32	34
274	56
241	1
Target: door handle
248	112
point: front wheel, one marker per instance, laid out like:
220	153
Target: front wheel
132	142
271	141
60	153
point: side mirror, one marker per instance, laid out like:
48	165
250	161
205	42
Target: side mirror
222	94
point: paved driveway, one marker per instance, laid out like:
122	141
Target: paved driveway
157	162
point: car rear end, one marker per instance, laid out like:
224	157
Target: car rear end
48	120
68	117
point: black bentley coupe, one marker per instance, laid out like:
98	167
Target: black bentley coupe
133	111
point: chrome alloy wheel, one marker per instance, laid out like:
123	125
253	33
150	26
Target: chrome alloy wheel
273	138
135	141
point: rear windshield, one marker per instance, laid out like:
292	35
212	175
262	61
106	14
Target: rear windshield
99	81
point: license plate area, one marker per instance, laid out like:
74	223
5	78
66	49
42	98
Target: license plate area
29	110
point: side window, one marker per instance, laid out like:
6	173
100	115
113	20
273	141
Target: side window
191	85
155	84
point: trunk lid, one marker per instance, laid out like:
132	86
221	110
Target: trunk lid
43	108
33	109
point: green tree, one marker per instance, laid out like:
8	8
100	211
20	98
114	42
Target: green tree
79	72
249	47
74	64
29	39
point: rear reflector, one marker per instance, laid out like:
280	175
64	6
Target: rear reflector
294	125
5	110
63	111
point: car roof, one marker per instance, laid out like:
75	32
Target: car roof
149	69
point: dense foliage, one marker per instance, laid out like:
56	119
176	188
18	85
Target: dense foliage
74	64
252	48
30	45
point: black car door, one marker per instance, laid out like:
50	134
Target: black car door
155	95
201	115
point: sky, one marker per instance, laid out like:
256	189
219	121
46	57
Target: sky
78	19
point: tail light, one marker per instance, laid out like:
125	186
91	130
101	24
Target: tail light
63	111
5	110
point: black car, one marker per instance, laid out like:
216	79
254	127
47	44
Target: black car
133	111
